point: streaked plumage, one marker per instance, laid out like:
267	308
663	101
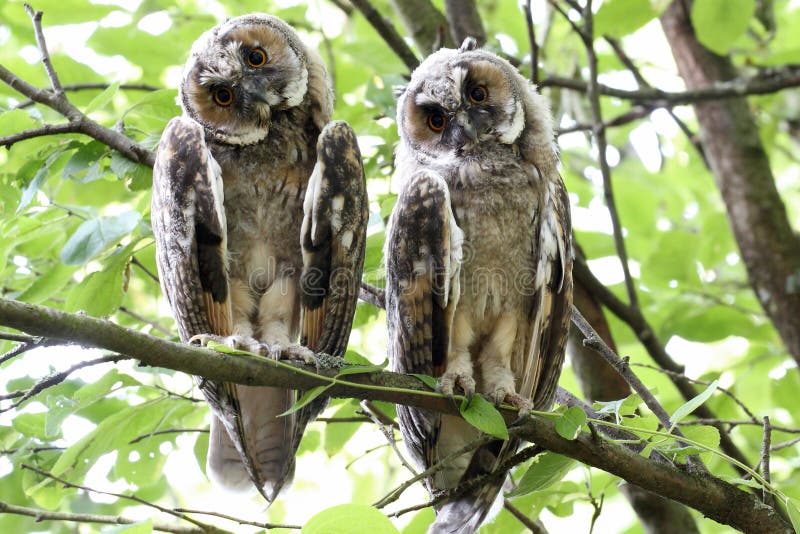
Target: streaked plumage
257	201
479	259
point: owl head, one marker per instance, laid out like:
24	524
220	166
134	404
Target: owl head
459	100
243	72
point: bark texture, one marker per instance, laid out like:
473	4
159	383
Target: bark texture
769	247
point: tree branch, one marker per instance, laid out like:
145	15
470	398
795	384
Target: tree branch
768	81
388	33
47	515
714	498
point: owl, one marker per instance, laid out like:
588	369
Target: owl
478	260
259	214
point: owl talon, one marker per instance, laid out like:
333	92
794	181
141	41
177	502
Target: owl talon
449	380
501	396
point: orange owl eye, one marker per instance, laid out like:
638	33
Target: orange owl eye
223	96
436	121
478	94
257	58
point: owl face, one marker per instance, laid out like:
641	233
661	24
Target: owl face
458	100
240	73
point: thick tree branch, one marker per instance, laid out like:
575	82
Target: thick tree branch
388	33
766	82
714	498
426	24
769	245
464	21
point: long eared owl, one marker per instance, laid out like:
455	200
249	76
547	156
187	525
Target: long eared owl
259	213
479	260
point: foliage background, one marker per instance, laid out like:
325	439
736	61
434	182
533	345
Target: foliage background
74	219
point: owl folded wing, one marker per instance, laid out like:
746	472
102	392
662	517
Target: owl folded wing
188	222
333	239
423	260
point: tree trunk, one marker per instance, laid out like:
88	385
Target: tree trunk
769	247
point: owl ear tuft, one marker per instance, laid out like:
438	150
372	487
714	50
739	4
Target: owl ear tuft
470	43
398	90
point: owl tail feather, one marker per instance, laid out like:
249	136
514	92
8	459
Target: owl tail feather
263	452
465	513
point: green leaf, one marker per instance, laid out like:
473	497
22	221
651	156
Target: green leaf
482	414
617	18
692	404
15	121
719	24
308	396
793	511
137	176
95	235
349	519
569	424
85	165
427	380
545	470
101	292
48	284
102	100
33	425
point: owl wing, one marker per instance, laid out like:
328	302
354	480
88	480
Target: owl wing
423	260
550	315
189	227
333	238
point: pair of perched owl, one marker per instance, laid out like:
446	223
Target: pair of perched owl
259	213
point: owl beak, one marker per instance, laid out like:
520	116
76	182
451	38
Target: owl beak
468	131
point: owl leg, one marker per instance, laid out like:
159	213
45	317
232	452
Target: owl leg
459	371
278	319
495	362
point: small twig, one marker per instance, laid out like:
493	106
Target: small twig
785	444
134	498
734	423
644	332
75	87
386	425
534	525
388	32
238	520
395	493
366	452
47	129
156	326
500	472
27	343
594	341
526	7
144	269
593	94
36	18
167	431
729	393
765	449
56	378
46	515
